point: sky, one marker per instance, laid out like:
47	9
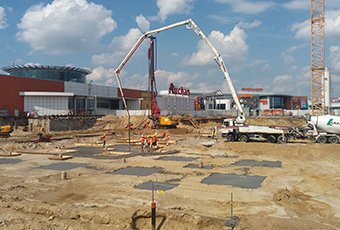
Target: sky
263	43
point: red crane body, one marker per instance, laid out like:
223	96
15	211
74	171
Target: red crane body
155	110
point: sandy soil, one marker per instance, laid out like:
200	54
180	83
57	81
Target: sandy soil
302	194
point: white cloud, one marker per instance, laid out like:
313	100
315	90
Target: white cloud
301	29
282	79
233	48
335	57
297	82
332	26
164	78
249	25
220	19
297	5
102	76
119	47
261	65
65	25
247	6
288	55
283	84
3	23
143	23
167	8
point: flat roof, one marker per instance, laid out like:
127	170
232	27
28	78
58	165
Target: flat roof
49	94
11	68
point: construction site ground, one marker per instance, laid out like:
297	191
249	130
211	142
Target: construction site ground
86	192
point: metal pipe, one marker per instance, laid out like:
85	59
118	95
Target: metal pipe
153	209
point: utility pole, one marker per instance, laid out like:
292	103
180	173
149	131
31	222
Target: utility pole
317	19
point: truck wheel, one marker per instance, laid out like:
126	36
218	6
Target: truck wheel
322	139
271	139
282	139
230	137
243	138
333	140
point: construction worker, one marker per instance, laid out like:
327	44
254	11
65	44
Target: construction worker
167	138
148	141
129	126
142	142
154	140
104	140
213	133
163	134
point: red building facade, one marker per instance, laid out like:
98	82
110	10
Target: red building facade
10	88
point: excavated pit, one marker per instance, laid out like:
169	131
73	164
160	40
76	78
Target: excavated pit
234	180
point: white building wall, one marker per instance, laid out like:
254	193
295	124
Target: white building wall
46	105
226	102
90	89
172	104
133	105
263	106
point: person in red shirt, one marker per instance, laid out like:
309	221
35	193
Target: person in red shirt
167	138
154	140
142	142
148	141
104	140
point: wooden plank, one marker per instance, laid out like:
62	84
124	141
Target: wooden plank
60	158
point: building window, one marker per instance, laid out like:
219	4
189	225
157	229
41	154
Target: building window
114	104
221	106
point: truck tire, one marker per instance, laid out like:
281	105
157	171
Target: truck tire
243	138
322	139
230	137
282	139
271	139
333	140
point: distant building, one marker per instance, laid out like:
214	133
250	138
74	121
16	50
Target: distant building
58	90
57	73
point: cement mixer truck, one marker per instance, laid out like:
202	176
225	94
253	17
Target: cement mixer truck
326	128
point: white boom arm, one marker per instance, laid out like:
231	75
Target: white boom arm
217	57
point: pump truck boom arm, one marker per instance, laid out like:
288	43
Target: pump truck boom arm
217	57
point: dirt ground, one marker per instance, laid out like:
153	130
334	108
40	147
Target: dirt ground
301	194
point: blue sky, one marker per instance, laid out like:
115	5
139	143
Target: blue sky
263	43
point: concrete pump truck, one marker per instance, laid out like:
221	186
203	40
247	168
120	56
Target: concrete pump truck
236	129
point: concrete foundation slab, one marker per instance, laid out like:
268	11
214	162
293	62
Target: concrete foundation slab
232	179
85	151
177	158
9	161
137	171
197	166
125	148
254	163
62	166
156	186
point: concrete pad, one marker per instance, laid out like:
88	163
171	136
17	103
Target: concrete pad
234	180
156	186
62	166
254	163
137	171
177	158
